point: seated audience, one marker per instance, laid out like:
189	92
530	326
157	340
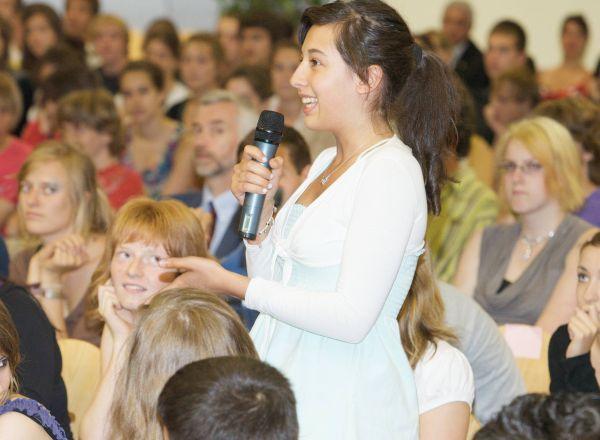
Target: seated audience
11	12
582	118
77	19
39	376
62	209
20	417
109	36
467	203
13	151
41	31
232	397
497	377
44	126
513	96
259	32
525	272
228	33
574	351
285	99
252	83
571	78
153	141
200	68
88	120
177	327
162	47
443	376
563	416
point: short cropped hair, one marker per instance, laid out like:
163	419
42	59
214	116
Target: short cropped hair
294	142
258	77
94	109
210	40
62	82
523	84
582	118
558	416
553	147
154	73
233	398
247	118
277	26
510	27
93	4
109	19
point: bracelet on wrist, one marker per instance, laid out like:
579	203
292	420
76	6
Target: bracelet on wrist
269	222
52	292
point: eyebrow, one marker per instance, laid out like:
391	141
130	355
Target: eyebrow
317	51
581	268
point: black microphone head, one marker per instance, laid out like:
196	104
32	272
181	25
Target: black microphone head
270	126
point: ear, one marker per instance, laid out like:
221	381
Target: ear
374	78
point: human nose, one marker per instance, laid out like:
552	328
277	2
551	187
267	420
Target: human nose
31	197
134	268
298	78
591	291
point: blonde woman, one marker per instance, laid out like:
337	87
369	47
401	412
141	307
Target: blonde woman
526	272
20	417
128	276
63	211
443	376
179	326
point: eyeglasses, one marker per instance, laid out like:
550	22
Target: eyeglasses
528	168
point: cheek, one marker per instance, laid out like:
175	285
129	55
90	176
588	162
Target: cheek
158	279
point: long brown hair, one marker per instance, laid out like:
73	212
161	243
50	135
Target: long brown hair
421	318
9	347
166	222
179	326
418	98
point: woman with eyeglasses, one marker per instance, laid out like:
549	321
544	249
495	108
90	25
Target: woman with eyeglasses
525	272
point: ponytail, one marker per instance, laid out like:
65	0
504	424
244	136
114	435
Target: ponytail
417	97
425	113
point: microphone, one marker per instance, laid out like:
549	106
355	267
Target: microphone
267	137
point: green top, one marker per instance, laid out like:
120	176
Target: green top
467	205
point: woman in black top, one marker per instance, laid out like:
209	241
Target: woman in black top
39	372
574	352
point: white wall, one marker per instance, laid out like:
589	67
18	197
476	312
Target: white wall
541	18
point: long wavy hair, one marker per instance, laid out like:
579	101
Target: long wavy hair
421	318
9	347
177	327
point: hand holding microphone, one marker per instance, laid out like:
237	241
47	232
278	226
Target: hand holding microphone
256	177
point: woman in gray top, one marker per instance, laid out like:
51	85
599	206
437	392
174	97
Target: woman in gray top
525	272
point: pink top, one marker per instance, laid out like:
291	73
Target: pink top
11	160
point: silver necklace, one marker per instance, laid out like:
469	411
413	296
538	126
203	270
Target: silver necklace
530	242
325	178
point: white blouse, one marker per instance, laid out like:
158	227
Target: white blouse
443	376
344	228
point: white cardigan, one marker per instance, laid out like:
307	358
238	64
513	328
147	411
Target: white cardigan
365	223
